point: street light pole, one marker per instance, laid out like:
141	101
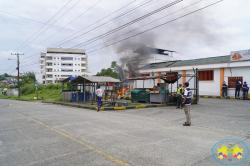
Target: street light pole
18	71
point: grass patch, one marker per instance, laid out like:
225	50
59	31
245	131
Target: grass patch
44	93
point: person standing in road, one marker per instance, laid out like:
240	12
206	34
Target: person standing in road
179	94
245	90
99	92
187	104
237	89
224	89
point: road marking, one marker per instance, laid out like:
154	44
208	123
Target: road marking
67	135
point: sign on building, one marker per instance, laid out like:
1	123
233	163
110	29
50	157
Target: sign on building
240	55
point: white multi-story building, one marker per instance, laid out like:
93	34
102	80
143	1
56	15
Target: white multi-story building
60	63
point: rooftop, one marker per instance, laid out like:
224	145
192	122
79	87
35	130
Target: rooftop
191	62
65	50
91	79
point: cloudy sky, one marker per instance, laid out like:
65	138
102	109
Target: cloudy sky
29	27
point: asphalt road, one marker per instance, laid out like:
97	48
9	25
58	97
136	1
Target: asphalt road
34	134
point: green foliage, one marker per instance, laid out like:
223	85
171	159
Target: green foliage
113	64
3	76
27	89
109	71
28	78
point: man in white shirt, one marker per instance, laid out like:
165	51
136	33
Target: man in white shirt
187	104
99	92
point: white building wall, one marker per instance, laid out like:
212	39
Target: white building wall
58	71
211	88
237	72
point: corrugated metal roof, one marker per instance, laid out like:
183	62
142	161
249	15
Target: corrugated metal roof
191	62
100	79
91	79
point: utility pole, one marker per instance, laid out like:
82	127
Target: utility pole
18	71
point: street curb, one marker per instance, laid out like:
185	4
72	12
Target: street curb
122	108
219	97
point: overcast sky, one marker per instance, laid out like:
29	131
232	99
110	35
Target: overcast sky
28	26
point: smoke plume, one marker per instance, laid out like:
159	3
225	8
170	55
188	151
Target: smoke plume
182	35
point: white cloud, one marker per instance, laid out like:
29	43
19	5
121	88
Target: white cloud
226	23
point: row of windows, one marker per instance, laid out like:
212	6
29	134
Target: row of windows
63	64
65	58
208	75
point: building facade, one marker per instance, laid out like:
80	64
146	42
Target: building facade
59	63
213	71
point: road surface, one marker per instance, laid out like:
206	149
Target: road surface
35	134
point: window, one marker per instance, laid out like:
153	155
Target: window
67	58
207	75
232	81
67	64
67	70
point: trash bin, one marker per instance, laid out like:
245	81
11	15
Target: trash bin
74	97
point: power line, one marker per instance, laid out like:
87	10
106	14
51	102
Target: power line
160	25
172	20
125	6
155	20
135	20
127	24
36	34
107	22
140	18
75	18
27	19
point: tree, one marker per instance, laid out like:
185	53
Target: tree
28	78
3	76
109	71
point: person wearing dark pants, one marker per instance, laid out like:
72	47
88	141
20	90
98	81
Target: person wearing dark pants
187	104
245	90
224	89
99	92
237	89
179	94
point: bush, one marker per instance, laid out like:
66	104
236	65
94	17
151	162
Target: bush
53	86
27	89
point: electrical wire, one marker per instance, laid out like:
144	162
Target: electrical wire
153	21
127	24
123	14
105	23
36	34
75	18
157	26
160	25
